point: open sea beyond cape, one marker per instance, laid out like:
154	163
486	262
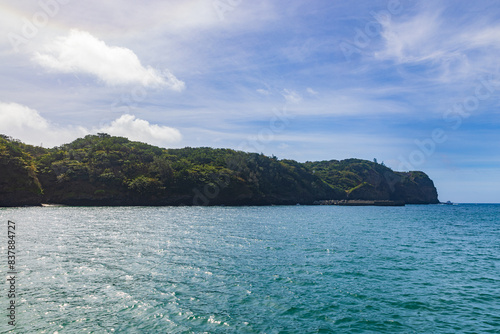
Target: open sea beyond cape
275	269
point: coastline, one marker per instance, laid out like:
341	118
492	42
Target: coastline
383	203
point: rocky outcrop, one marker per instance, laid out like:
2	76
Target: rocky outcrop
415	188
370	181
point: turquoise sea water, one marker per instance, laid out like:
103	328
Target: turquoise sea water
296	269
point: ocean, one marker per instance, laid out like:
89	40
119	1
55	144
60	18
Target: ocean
276	269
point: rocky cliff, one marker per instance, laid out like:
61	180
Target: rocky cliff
366	180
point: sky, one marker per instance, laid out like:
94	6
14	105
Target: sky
413	84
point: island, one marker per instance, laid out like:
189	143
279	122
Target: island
104	170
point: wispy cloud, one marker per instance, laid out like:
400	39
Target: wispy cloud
291	96
413	40
264	92
80	52
449	49
312	91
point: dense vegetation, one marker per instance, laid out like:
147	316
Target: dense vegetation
18	182
105	170
365	180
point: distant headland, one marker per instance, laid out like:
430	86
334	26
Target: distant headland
103	170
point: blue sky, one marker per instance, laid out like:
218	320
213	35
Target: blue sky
415	84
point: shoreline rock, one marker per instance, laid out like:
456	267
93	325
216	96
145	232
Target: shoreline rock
354	202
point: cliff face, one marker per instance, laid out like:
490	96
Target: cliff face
416	188
365	180
105	170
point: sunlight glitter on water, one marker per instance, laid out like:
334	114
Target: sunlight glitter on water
268	269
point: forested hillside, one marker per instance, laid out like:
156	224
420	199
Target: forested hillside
19	184
366	180
105	170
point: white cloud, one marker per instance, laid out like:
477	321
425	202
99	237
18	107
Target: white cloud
312	91
483	37
414	40
291	96
80	52
15	116
451	52
140	130
27	125
264	92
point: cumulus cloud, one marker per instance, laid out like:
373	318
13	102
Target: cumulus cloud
140	130
15	116
80	52
26	124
